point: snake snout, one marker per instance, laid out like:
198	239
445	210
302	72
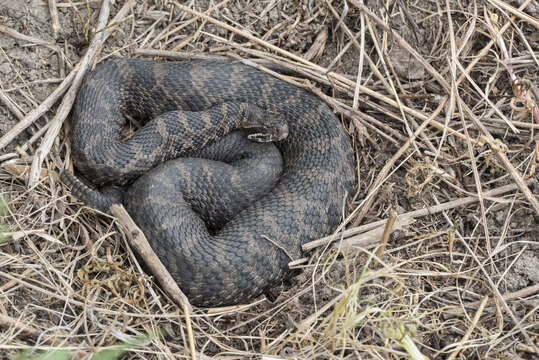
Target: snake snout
267	132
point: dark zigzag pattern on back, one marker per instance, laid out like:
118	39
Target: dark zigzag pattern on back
238	262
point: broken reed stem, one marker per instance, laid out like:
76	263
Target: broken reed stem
8	285
318	45
412	214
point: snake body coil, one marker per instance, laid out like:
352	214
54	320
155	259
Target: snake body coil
192	106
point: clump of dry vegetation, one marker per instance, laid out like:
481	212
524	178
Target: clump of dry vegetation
437	255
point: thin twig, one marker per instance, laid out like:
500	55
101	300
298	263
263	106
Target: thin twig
388	229
31	39
402	43
362	210
54	18
499	150
318	45
471	328
527	291
342	83
412	214
38	111
10	105
68	100
516	12
178	55
165	34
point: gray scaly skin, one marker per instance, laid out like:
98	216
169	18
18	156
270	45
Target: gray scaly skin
250	253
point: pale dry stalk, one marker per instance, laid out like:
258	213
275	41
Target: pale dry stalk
69	98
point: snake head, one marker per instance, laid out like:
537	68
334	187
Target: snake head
269	131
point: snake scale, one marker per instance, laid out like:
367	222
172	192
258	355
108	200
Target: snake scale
192	107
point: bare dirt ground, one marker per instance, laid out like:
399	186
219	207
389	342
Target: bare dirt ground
441	137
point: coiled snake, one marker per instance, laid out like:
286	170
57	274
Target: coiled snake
193	106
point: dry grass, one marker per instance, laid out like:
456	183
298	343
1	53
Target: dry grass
439	99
